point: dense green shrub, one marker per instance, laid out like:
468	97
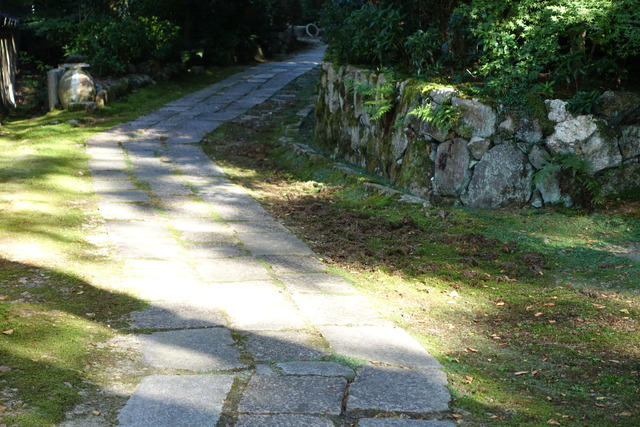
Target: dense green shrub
112	44
577	42
512	45
113	33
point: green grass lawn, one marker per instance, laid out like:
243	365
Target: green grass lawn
54	264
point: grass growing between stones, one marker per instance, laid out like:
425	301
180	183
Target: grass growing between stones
55	265
534	314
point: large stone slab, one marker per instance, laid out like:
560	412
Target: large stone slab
166	288
317	283
107	163
177	315
186	208
583	136
218	197
452	173
161	247
98	152
284	264
283	243
110	174
213	250
157	268
232	270
113	185
193	349
282	421
391	422
241	211
265	226
130	211
378	343
207	168
409	391
169	187
172	401
124	195
501	179
124	230
273	346
338	310
202	230
256	306
293	395
321	369
478	117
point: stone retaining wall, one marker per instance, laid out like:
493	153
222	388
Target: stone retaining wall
490	157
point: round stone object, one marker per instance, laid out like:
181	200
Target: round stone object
76	85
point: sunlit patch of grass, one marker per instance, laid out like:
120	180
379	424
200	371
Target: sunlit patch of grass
55	301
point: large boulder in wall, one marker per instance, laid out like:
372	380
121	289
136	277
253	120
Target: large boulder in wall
501	179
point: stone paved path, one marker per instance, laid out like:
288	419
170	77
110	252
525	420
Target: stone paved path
245	318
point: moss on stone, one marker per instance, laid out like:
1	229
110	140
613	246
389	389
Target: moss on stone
536	106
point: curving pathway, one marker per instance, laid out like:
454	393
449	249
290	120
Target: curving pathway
244	324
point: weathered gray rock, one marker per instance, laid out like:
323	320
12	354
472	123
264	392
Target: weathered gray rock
508	125
428	131
53	79
620	108
582	136
410	391
571	131
452	172
232	270
283	264
88	106
443	95
401	157
557	110
630	142
478	147
529	131
538	156
551	191
501	179
399	144
623	180
479	118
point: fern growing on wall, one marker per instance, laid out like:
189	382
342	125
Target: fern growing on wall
443	117
578	170
378	99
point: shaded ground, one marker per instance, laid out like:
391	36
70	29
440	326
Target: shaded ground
534	317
